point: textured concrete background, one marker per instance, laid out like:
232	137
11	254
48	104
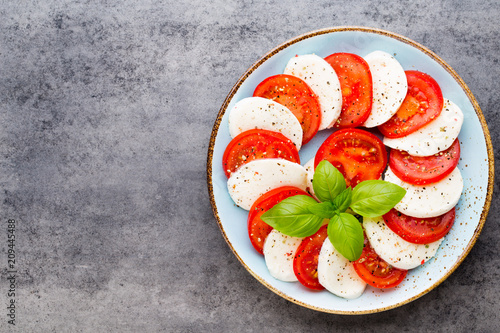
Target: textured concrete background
106	112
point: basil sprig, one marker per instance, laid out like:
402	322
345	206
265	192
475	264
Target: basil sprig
302	216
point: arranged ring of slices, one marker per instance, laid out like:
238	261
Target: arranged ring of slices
342	93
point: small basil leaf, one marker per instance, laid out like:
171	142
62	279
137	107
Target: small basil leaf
346	234
374	198
343	200
328	182
292	217
323	209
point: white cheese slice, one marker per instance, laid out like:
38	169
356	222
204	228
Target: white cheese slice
279	251
257	177
394	249
337	274
322	79
434	137
428	200
261	113
389	87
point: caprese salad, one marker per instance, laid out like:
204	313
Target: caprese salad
332	223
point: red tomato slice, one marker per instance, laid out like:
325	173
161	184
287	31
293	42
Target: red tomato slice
419	230
258	229
256	144
297	96
356	84
375	271
418	170
357	154
305	262
422	104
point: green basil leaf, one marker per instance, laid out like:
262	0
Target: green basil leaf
374	198
324	209
346	234
292	217
328	182
343	200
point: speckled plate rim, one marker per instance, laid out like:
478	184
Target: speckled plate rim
405	40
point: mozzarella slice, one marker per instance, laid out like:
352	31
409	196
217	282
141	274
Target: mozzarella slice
279	251
434	137
428	200
389	87
323	80
309	166
257	112
257	177
394	249
337	274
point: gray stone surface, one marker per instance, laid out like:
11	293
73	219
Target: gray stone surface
106	110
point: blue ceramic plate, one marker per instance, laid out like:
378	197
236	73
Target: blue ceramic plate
476	166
